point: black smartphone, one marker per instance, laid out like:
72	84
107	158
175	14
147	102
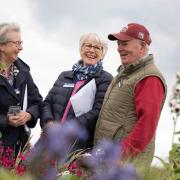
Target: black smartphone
14	110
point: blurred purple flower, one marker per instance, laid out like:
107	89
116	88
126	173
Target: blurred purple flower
103	163
54	145
107	151
60	138
50	174
105	154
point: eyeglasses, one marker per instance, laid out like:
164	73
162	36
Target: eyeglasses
89	46
17	43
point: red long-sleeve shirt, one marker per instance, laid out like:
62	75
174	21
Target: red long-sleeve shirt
149	94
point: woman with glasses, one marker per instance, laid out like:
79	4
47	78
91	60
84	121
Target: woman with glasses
19	96
58	105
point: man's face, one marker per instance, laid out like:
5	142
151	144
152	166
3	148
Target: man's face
130	51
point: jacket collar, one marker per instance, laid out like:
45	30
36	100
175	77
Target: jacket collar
22	66
21	76
23	69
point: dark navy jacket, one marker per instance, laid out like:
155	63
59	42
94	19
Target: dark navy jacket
8	97
57	99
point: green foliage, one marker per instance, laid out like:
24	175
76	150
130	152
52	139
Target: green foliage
7	175
174	154
174	160
68	177
155	173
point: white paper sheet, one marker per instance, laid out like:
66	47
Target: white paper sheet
83	100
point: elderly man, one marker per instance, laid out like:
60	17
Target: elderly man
134	100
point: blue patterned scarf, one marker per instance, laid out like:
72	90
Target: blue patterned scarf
84	72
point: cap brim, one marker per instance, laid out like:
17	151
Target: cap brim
119	36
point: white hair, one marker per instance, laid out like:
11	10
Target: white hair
5	28
95	36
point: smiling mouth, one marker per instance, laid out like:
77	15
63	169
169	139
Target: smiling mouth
124	54
90	56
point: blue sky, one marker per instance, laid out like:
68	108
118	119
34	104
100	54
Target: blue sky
51	30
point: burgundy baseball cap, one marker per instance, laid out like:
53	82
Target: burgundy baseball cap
132	30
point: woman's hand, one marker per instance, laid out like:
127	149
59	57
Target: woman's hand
19	119
50	124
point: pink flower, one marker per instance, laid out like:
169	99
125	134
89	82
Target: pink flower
79	173
9	150
20	169
22	156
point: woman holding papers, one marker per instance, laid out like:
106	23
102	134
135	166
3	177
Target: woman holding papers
77	95
19	96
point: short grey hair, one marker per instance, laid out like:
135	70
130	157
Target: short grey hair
95	36
146	46
5	28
